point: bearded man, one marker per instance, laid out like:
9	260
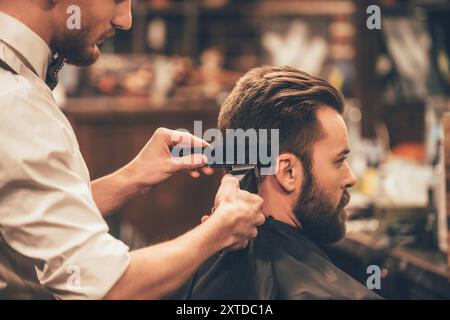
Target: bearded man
304	200
54	241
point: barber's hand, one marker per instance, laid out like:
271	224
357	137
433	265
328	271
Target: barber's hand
238	212
155	163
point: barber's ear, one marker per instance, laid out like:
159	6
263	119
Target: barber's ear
290	172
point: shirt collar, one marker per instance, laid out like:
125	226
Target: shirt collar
27	43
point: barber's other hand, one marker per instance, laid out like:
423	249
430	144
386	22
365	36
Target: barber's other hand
237	212
155	163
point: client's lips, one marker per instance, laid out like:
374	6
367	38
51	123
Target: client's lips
102	39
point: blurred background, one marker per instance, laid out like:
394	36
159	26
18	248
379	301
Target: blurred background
181	59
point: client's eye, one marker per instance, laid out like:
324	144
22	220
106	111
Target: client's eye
341	161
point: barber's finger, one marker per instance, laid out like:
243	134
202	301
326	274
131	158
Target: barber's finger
228	190
251	197
229	179
261	219
207	170
229	187
194	174
180	138
204	218
190	162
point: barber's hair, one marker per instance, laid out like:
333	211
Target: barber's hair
281	98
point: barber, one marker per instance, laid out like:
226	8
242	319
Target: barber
54	242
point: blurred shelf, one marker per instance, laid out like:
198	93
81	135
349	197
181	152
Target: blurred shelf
266	8
125	107
286	8
306	8
169	10
433	262
434	6
409	8
411	272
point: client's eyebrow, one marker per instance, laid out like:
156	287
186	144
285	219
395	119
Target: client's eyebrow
343	153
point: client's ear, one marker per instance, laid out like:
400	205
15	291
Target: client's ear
290	172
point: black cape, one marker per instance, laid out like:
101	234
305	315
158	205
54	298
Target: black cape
280	263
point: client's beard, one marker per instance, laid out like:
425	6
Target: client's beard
320	220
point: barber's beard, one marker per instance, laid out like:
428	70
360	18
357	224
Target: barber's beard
321	221
77	48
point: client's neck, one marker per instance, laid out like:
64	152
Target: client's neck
277	205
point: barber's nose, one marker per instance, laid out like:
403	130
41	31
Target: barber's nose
350	179
123	19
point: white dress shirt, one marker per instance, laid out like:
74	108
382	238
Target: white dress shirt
47	212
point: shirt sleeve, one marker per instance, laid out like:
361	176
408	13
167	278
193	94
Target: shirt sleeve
47	212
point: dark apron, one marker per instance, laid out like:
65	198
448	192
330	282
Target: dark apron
280	264
18	278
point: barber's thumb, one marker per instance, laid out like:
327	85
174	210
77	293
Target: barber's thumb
204	218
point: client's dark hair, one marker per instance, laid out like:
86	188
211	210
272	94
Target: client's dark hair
281	98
